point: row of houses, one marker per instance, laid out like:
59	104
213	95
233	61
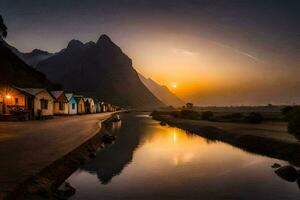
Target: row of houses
36	103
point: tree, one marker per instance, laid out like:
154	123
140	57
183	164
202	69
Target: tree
189	105
3	28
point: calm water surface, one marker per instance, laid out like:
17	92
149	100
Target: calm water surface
149	161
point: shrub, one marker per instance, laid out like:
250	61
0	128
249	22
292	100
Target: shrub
290	111
254	118
207	115
175	114
189	114
294	123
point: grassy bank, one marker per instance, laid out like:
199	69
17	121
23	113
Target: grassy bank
45	184
272	145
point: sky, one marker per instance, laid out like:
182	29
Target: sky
216	52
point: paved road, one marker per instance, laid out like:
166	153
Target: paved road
28	147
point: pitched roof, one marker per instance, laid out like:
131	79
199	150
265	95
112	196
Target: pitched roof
69	96
57	94
32	91
78	98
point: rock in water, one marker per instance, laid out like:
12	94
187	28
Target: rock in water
276	165
92	155
108	139
287	173
67	190
163	123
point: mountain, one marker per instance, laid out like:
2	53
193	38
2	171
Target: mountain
100	70
16	72
35	56
161	92
31	58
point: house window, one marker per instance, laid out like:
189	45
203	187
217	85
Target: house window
16	101
61	105
73	106
44	104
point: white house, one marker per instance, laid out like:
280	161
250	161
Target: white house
72	104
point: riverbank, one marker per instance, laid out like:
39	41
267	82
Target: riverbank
38	151
268	139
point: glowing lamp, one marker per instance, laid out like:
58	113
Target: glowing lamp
8	96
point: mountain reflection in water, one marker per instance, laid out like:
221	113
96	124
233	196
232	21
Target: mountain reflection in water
149	161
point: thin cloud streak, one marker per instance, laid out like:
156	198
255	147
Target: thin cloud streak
238	51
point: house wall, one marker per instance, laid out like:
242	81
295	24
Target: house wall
37	104
72	111
92	106
98	108
57	111
80	107
103	108
16	99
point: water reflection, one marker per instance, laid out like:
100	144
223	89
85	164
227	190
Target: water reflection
116	127
112	160
149	161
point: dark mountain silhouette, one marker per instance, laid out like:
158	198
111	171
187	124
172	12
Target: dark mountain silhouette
100	70
31	58
35	56
111	161
161	92
15	71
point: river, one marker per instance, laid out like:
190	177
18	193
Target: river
150	161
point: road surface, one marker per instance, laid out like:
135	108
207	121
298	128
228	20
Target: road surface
27	147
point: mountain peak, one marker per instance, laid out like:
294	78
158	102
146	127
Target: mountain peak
75	44
37	52
104	39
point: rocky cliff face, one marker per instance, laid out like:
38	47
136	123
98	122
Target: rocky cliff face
161	92
15	71
31	58
101	70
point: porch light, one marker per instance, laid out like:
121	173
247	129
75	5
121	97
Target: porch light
8	96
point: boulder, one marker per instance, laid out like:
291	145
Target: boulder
163	123
67	190
276	165
92	155
108	139
287	173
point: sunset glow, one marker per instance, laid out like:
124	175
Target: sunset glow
216	62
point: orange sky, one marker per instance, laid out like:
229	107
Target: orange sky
216	52
204	70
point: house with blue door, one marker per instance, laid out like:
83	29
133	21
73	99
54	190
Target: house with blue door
72	103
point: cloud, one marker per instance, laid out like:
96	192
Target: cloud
238	51
184	51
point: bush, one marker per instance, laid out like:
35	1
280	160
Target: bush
290	111
175	114
294	123
254	118
207	115
189	114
